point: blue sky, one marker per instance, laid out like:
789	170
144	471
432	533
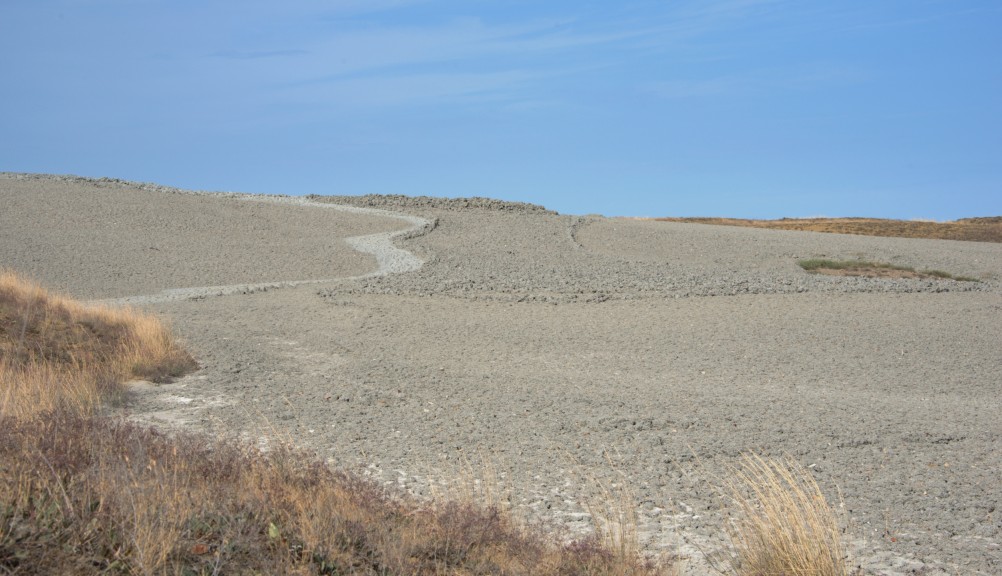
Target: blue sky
746	108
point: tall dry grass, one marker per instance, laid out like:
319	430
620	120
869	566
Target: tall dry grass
56	353
783	523
85	494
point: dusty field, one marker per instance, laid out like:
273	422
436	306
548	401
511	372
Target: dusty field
567	352
971	229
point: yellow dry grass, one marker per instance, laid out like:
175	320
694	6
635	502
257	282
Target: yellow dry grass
85	494
783	523
58	353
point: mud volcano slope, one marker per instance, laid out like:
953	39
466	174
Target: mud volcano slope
562	353
107	238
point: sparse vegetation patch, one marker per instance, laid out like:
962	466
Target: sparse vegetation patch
58	354
874	270
783	523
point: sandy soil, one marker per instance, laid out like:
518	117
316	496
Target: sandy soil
553	355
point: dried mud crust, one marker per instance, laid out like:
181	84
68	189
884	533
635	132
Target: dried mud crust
888	398
149	243
572	353
538	256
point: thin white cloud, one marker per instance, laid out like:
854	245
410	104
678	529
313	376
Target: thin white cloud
701	88
818	76
258	54
411	89
494	57
459	41
360	45
347	53
947	13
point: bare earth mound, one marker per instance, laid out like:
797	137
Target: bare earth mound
570	353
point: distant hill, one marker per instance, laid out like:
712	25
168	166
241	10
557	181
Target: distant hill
981	229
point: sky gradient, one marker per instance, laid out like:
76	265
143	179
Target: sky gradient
743	108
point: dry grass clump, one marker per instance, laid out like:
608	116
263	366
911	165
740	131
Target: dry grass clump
970	229
783	525
84	494
875	270
57	353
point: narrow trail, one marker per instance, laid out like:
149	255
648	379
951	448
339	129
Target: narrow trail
389	258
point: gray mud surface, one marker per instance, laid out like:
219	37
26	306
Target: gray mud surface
551	356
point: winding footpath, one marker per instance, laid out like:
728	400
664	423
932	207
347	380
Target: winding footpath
389	258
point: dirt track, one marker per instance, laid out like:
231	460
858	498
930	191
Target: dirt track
566	351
